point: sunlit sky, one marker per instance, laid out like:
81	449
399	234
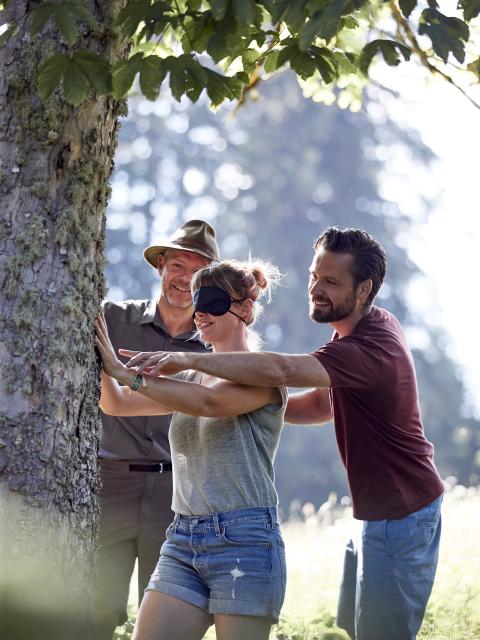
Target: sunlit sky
447	245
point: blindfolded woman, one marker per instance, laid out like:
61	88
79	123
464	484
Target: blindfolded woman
223	561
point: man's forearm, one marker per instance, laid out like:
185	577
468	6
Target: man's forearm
262	369
256	369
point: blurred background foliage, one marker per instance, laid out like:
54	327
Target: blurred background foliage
270	177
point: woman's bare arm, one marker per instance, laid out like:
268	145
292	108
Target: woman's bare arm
157	396
122	401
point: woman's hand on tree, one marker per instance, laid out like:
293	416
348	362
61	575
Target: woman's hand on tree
111	364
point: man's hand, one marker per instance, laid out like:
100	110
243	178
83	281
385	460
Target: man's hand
158	363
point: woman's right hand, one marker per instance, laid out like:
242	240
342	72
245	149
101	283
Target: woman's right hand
111	364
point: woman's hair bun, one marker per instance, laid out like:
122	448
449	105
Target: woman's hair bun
266	275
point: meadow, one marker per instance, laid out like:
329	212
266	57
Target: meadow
315	548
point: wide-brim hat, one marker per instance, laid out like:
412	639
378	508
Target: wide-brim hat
196	236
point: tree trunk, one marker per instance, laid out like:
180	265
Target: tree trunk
55	162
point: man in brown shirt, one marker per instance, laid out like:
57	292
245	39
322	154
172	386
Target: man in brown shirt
364	379
134	455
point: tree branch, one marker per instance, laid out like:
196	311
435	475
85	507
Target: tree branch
410	37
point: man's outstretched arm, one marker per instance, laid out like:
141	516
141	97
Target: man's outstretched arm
256	369
310	407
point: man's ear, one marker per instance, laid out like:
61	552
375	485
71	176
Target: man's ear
160	263
364	289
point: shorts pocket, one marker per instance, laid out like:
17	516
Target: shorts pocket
244	535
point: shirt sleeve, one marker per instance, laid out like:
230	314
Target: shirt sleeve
274	408
350	362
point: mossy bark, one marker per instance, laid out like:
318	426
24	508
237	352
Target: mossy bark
55	162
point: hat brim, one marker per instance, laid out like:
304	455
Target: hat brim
151	253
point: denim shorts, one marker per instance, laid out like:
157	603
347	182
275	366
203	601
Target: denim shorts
388	575
231	562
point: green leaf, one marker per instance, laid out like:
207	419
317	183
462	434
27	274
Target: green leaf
124	74
295	15
40	16
216	89
474	66
198	32
76	73
302	63
326	63
346	62
249	59
271	62
219	9
225	40
268	4
188	77
152	74
177	80
132	15
196	77
471	9
279	9
326	21
407	6
221	87
156	18
66	22
447	34
284	55
260	37
348	22
96	69
75	88
309	31
65	15
243	77
245	10
194	90
50	74
83	13
389	50
156	27
332	15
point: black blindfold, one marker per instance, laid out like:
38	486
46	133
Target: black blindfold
213	300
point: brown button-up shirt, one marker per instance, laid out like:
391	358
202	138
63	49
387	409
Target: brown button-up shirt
136	325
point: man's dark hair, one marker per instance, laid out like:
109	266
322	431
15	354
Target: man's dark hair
369	257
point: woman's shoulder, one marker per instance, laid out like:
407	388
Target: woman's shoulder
278	403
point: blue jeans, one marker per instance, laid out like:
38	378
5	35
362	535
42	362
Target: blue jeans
231	562
388	576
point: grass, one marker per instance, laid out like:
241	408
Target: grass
314	561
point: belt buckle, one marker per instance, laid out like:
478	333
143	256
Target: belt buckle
161	470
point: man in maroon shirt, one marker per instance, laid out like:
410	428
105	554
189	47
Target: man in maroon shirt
365	379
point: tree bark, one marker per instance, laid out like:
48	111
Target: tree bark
55	162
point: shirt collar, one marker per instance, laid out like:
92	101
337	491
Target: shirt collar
151	315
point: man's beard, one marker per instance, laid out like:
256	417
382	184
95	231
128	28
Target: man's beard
330	313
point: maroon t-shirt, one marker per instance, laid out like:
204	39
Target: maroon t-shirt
380	437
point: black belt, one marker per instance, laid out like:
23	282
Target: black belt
159	467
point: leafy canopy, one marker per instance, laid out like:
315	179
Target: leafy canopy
226	46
